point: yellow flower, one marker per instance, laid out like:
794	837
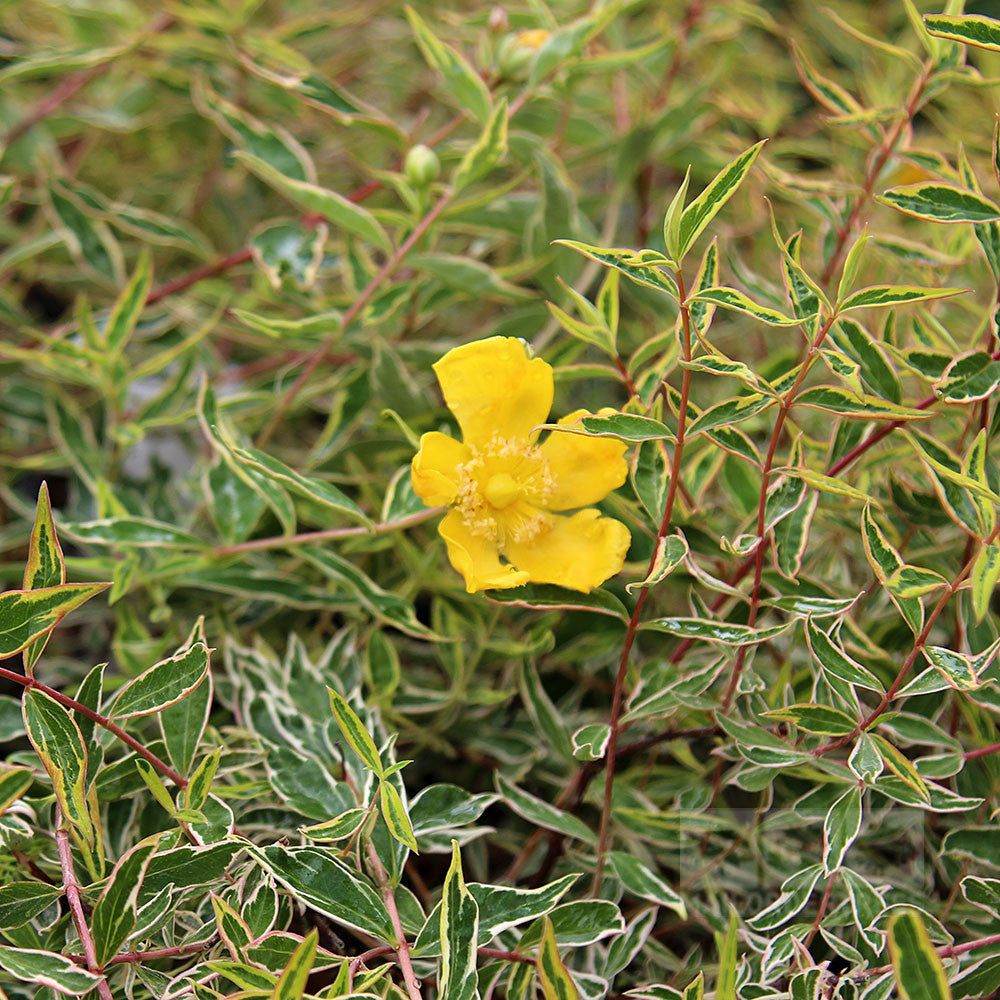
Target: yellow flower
503	487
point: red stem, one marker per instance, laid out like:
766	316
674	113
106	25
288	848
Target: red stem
72	889
883	154
101	720
72	85
765	481
317	356
633	624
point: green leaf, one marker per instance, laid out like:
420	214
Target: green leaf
984	576
958	669
60	747
27	614
264	486
200	783
459	924
696	989
88	239
472	278
645	267
317	878
132	532
14	781
917	967
183	723
489	149
901	767
819	719
543	713
851	264
355	733
865	760
46	968
671	551
45	567
590	333
829	93
186	867
553	977
334	207
338	828
541	813
729	411
163	684
937	202
880	296
23	901
591	742
643	882
624	426
313	489
727	946
114	915
672	219
288	250
731	298
461	80
728	633
394	814
545	596
500	907
914	581
383	605
705	207
971	29
876	371
795	893
834	399
833	658
128	308
969	379
840	828
293	980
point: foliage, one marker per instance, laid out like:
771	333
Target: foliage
762	239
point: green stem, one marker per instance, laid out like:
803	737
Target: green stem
330	534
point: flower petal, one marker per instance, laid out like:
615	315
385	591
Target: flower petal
434	468
585	469
477	558
580	551
493	388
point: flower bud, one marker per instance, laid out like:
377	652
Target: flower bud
422	165
515	53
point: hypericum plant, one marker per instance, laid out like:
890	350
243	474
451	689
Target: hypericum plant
730	730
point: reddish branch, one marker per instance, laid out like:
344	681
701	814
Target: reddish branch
758	558
103	721
633	623
918	645
72	889
71	86
878	162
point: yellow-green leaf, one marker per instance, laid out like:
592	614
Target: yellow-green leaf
394	814
916	965
552	974
355	733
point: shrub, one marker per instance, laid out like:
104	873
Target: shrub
759	246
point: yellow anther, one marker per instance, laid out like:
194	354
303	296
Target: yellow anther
502	490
